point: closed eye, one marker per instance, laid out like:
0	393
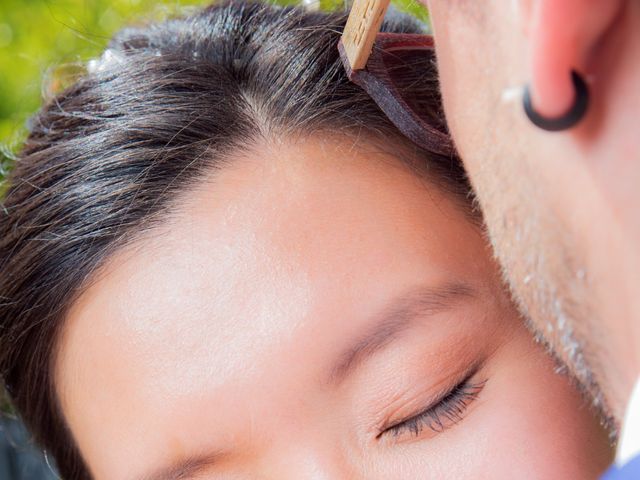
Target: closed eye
445	412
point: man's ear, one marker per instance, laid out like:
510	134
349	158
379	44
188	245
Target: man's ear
562	36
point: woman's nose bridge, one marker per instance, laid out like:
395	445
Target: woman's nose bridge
308	439
317	461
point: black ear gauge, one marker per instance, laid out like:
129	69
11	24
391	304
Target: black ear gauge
569	119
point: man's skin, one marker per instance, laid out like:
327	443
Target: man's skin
561	208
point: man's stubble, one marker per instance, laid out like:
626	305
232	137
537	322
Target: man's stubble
541	264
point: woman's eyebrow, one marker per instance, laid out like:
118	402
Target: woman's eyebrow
185	468
400	314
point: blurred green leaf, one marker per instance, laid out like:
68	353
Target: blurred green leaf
5	405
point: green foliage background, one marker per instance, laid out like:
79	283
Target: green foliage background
43	41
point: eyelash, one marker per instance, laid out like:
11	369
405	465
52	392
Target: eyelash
447	411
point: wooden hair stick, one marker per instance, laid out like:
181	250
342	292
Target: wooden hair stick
360	31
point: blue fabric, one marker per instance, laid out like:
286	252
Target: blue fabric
19	459
630	471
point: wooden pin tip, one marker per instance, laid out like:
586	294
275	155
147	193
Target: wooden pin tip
345	59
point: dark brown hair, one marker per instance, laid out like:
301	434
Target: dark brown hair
107	157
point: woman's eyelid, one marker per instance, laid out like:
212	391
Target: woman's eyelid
447	413
430	403
410	401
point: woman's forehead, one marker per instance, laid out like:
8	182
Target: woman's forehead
253	280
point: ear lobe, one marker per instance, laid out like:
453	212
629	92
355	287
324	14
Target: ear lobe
562	35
